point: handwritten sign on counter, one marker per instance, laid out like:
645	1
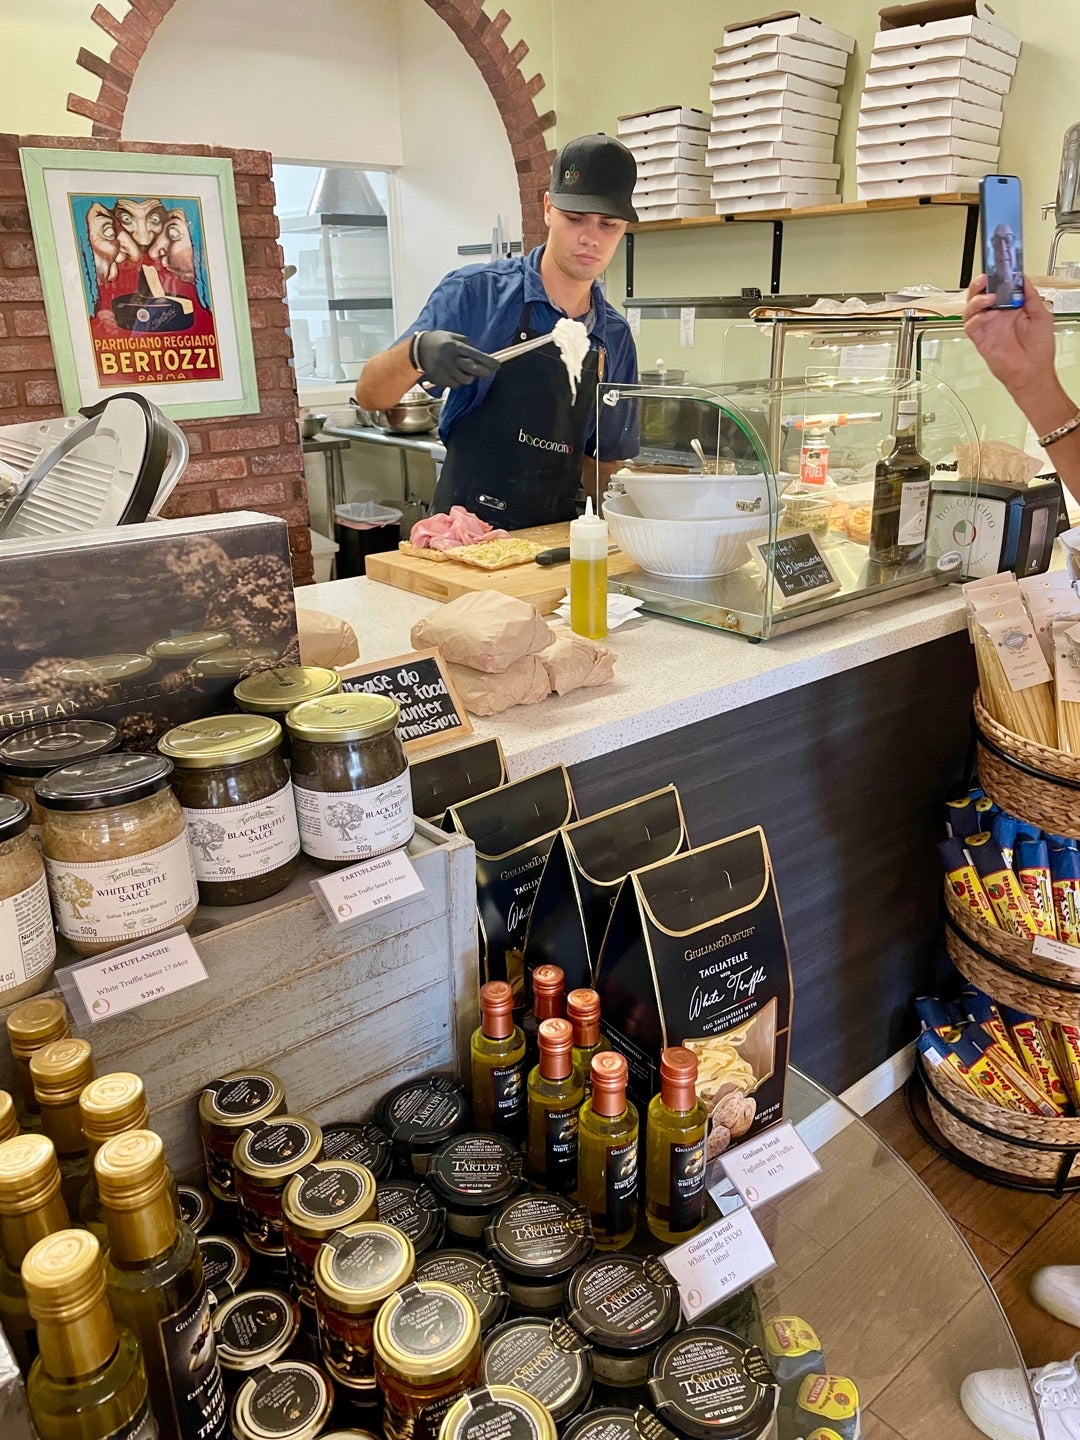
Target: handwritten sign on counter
432	711
796	568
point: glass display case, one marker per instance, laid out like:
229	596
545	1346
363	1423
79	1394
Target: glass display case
758	507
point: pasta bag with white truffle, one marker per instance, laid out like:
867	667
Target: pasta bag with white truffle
695	954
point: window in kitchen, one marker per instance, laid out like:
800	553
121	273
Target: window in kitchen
335	230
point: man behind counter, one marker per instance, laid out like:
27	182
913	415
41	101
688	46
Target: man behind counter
515	440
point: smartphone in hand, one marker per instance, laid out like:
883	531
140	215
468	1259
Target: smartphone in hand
999	214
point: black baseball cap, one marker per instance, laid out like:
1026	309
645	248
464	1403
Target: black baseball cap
594	175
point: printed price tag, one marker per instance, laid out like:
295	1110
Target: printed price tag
720	1261
380	884
1057	950
126	979
687	317
633	319
769	1164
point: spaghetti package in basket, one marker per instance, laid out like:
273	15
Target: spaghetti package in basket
1014	678
695	954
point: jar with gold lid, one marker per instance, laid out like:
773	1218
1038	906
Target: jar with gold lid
427	1353
320	1199
350	778
31	1025
231	781
30	754
253	1329
277	691
226	1106
116	851
27	941
267	1154
502	1410
287	1400
354	1272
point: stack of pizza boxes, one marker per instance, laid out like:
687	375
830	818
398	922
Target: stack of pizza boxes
669	147
775	113
931	109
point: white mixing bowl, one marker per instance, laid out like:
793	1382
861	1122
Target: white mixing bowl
683	549
678	495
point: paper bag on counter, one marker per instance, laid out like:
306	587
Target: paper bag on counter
525	682
439	781
485	630
695	954
574	662
513	829
325	639
588	862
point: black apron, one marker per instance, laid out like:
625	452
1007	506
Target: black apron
516	459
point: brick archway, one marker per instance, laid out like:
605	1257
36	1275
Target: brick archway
481	36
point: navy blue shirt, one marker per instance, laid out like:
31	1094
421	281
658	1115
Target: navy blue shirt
484	303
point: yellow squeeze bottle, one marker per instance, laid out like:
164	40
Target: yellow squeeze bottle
588	574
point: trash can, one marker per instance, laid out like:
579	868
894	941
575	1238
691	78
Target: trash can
363	528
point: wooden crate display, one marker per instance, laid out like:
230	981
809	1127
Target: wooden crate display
340	1017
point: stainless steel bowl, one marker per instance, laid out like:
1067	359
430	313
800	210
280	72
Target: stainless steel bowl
310	425
415	413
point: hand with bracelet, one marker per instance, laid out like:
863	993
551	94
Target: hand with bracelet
1018	347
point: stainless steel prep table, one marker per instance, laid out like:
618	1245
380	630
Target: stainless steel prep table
426	444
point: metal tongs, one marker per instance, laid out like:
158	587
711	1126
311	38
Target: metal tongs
511	352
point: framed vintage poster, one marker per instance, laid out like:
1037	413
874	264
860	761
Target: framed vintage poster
143	277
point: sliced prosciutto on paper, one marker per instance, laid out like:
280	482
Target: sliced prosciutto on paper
446	532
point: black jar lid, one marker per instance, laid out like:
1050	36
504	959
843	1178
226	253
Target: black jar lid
623	1303
411	1207
612	1422
475	1172
287	1401
422	1114
196	1207
546	1359
480	1278
40	749
14	817
225	1265
254	1328
365	1144
104	781
540	1236
740	1409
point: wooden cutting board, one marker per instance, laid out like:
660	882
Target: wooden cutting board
542	585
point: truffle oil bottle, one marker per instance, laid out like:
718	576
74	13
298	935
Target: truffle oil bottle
156	1287
901	509
88	1382
498	1064
556	1091
548	1003
31	1025
31	1207
60	1071
675	1151
583	1012
108	1106
608	1154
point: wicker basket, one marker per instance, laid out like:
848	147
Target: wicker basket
1032	1148
1007	969
1029	781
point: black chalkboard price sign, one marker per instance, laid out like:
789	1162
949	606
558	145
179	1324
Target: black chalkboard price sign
432	711
796	568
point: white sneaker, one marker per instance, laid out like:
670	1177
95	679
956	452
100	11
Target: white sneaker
997	1401
1057	1289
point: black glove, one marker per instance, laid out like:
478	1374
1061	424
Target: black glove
450	360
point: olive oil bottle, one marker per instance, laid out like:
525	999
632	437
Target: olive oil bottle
583	1012
608	1154
9	1121
31	1025
499	1097
556	1092
901	509
60	1071
156	1286
89	1381
675	1151
548	1003
31	1207
108	1106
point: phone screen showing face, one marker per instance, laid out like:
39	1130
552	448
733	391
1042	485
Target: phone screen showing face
999	207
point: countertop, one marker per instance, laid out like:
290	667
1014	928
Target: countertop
667	673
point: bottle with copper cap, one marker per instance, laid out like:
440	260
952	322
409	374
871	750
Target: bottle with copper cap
60	1071
89	1379
30	1026
31	1207
583	1012
548	1003
108	1106
499	1097
556	1092
608	1154
156	1286
675	1151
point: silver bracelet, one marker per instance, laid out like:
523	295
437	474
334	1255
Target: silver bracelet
1052	436
413	343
